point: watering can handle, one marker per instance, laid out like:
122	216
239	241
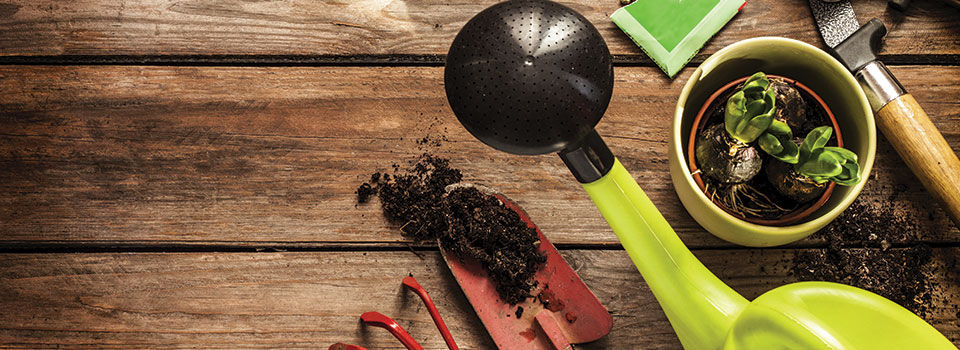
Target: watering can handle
701	308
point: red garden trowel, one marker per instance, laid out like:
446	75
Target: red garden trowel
572	313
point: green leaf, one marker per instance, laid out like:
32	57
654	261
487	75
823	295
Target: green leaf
771	100
851	169
821	164
828	163
754	128
756	107
790	154
819	179
770	144
733	113
749	111
777	142
756	83
815	139
850	175
779	129
843	153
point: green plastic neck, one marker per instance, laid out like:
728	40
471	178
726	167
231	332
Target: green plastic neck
700	307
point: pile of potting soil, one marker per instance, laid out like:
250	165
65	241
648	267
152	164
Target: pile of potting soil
466	221
861	253
414	197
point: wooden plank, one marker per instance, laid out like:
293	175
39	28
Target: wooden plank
313	299
374	27
256	156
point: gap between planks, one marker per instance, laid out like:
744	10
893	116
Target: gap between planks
273	247
394	60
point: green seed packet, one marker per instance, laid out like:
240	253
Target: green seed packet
671	32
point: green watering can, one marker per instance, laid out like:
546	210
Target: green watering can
534	77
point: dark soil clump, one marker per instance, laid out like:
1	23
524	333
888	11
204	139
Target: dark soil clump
481	227
466	221
364	192
415	198
549	301
861	253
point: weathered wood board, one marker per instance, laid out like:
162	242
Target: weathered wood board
397	27
313	299
253	156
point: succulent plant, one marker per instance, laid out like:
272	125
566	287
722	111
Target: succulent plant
749	112
777	142
822	163
749	116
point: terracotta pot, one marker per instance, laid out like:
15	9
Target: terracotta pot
700	122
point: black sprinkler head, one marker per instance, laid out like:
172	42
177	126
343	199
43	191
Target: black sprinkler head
529	77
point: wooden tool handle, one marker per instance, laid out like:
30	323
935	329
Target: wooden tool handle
923	148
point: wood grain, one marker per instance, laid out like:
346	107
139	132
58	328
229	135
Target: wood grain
311	300
379	27
260	156
164	155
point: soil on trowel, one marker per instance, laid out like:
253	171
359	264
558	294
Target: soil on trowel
861	252
481	227
466	221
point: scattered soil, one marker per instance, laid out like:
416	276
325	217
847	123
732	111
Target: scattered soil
432	141
466	221
861	253
364	192
549	301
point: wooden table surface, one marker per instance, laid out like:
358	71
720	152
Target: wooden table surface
182	173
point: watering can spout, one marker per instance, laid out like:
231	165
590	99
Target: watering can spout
700	307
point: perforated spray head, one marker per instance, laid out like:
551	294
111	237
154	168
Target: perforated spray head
529	77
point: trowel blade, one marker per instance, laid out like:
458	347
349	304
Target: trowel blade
581	319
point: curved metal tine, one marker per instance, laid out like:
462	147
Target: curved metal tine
376	319
412	283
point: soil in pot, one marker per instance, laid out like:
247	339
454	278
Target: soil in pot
466	221
746	181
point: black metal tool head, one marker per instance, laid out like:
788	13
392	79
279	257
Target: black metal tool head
529	76
862	46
